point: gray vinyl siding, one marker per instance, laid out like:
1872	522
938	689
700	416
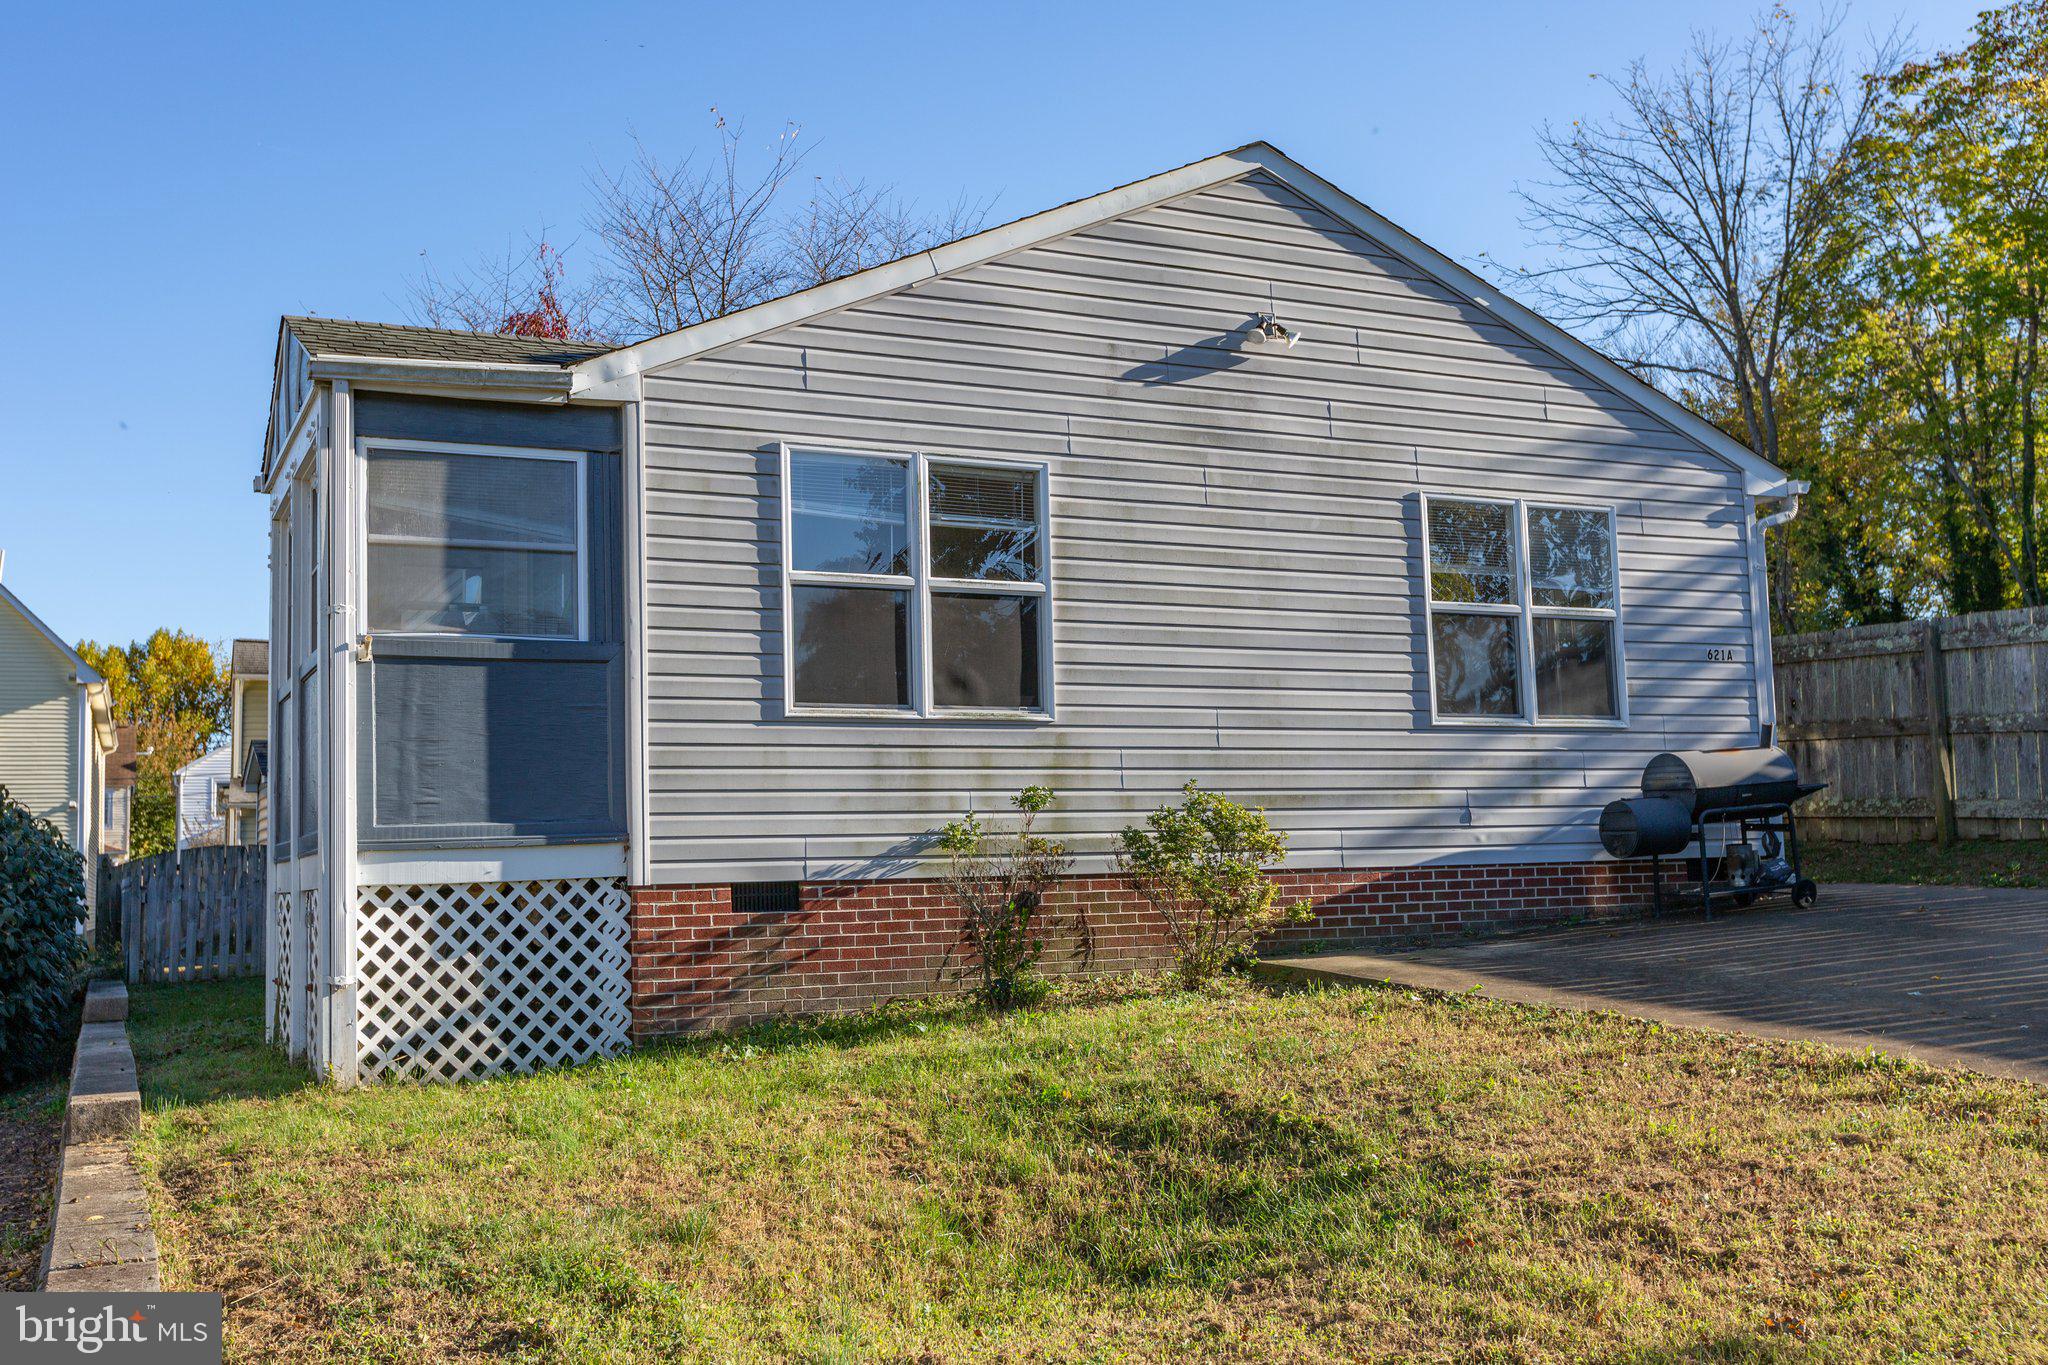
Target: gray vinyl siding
1236	585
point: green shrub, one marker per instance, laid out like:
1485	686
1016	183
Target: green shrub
1202	865
42	898
999	881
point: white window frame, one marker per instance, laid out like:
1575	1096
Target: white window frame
1526	610
920	583
367	445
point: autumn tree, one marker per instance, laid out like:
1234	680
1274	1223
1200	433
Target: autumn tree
1933	365
174	688
525	293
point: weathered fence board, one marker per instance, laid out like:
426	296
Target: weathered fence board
195	916
1923	729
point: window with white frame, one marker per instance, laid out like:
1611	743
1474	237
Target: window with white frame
1524	612
475	541
915	584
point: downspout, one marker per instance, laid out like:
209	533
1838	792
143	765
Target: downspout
1787	494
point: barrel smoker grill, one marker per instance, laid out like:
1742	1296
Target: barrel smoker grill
1685	794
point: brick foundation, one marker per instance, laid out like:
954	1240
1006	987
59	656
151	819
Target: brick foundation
697	964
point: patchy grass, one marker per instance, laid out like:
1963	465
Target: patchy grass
31	1122
31	1133
1981	862
1129	1173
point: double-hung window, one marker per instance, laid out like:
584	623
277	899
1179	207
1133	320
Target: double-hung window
915	585
1524	613
475	540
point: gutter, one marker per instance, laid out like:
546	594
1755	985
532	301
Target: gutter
543	382
511	382
1787	494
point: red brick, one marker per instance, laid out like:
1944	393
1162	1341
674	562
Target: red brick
852	944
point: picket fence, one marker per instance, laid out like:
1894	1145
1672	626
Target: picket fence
190	916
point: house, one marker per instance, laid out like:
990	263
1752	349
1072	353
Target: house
117	817
199	794
55	731
643	676
246	807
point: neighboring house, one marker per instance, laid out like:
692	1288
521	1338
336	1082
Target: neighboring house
644	676
247	807
117	817
55	731
200	791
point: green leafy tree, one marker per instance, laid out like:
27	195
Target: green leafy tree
1202	865
174	688
1934	368
999	879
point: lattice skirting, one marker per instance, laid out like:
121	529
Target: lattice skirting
282	1002
455	982
312	933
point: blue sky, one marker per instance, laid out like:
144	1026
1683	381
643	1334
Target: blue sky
175	177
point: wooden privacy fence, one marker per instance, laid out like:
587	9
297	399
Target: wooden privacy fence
1926	729
193	916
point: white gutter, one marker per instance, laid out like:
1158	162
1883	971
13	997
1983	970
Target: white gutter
552	380
515	382
1787	493
1790	510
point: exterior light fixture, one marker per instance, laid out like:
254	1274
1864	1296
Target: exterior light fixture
1266	327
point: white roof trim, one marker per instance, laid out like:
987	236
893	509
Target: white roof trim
330	365
1759	475
608	375
85	671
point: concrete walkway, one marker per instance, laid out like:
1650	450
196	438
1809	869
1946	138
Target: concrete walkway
100	1238
1953	976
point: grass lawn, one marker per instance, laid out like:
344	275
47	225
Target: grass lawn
1132	1173
1982	862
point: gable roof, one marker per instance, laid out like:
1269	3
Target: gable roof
610	373
328	337
121	761
249	656
597	372
85	671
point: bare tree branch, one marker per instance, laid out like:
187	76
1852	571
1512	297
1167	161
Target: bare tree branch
677	243
1686	224
521	292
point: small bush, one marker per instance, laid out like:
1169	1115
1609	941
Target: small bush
42	898
999	881
1202	865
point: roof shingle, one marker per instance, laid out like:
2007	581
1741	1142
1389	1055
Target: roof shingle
387	340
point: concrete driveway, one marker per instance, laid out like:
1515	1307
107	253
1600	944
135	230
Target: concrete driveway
1953	976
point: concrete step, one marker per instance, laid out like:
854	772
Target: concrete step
106	1002
101	1241
104	1101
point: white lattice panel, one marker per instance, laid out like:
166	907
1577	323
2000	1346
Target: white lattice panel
455	982
312	933
282	1000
